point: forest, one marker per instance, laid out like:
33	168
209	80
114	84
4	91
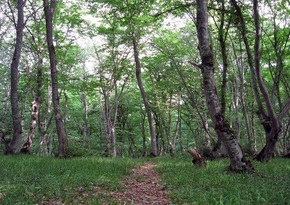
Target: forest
146	80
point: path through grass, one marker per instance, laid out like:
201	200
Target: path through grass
39	180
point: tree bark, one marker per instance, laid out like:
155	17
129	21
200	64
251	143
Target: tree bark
49	8
222	128
14	145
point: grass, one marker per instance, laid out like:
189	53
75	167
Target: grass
36	180
214	185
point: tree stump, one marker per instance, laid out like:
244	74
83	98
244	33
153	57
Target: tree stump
197	158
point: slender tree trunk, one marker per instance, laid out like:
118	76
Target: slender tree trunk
85	116
44	122
178	123
14	145
222	42
274	127
113	131
224	132
251	137
36	104
27	145
269	120
49	8
108	122
144	96
236	106
143	131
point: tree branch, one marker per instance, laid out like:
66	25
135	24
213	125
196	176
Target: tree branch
284	111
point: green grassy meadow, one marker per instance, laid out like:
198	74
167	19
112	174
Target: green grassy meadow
41	180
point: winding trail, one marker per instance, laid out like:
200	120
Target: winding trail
142	187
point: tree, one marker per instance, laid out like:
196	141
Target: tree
268	118
49	8
222	128
147	105
14	145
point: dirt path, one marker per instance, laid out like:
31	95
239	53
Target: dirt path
142	187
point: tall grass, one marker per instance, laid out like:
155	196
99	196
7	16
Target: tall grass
35	180
188	184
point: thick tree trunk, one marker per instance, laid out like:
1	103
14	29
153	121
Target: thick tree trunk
7	95
144	96
14	145
62	137
224	132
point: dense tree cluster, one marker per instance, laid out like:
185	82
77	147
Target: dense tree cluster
145	77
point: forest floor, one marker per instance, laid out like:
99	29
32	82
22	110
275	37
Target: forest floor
142	187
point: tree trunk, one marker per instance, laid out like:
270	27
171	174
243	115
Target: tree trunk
144	96
251	137
196	157
36	104
143	131
49	8
85	129
222	41
108	125
177	131
14	145
236	101
27	145
272	121
269	120
224	132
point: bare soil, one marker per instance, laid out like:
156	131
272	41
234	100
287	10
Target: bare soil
142	187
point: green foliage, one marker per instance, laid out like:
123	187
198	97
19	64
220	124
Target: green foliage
213	185
33	180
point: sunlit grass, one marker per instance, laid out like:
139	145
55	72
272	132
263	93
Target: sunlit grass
214	185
